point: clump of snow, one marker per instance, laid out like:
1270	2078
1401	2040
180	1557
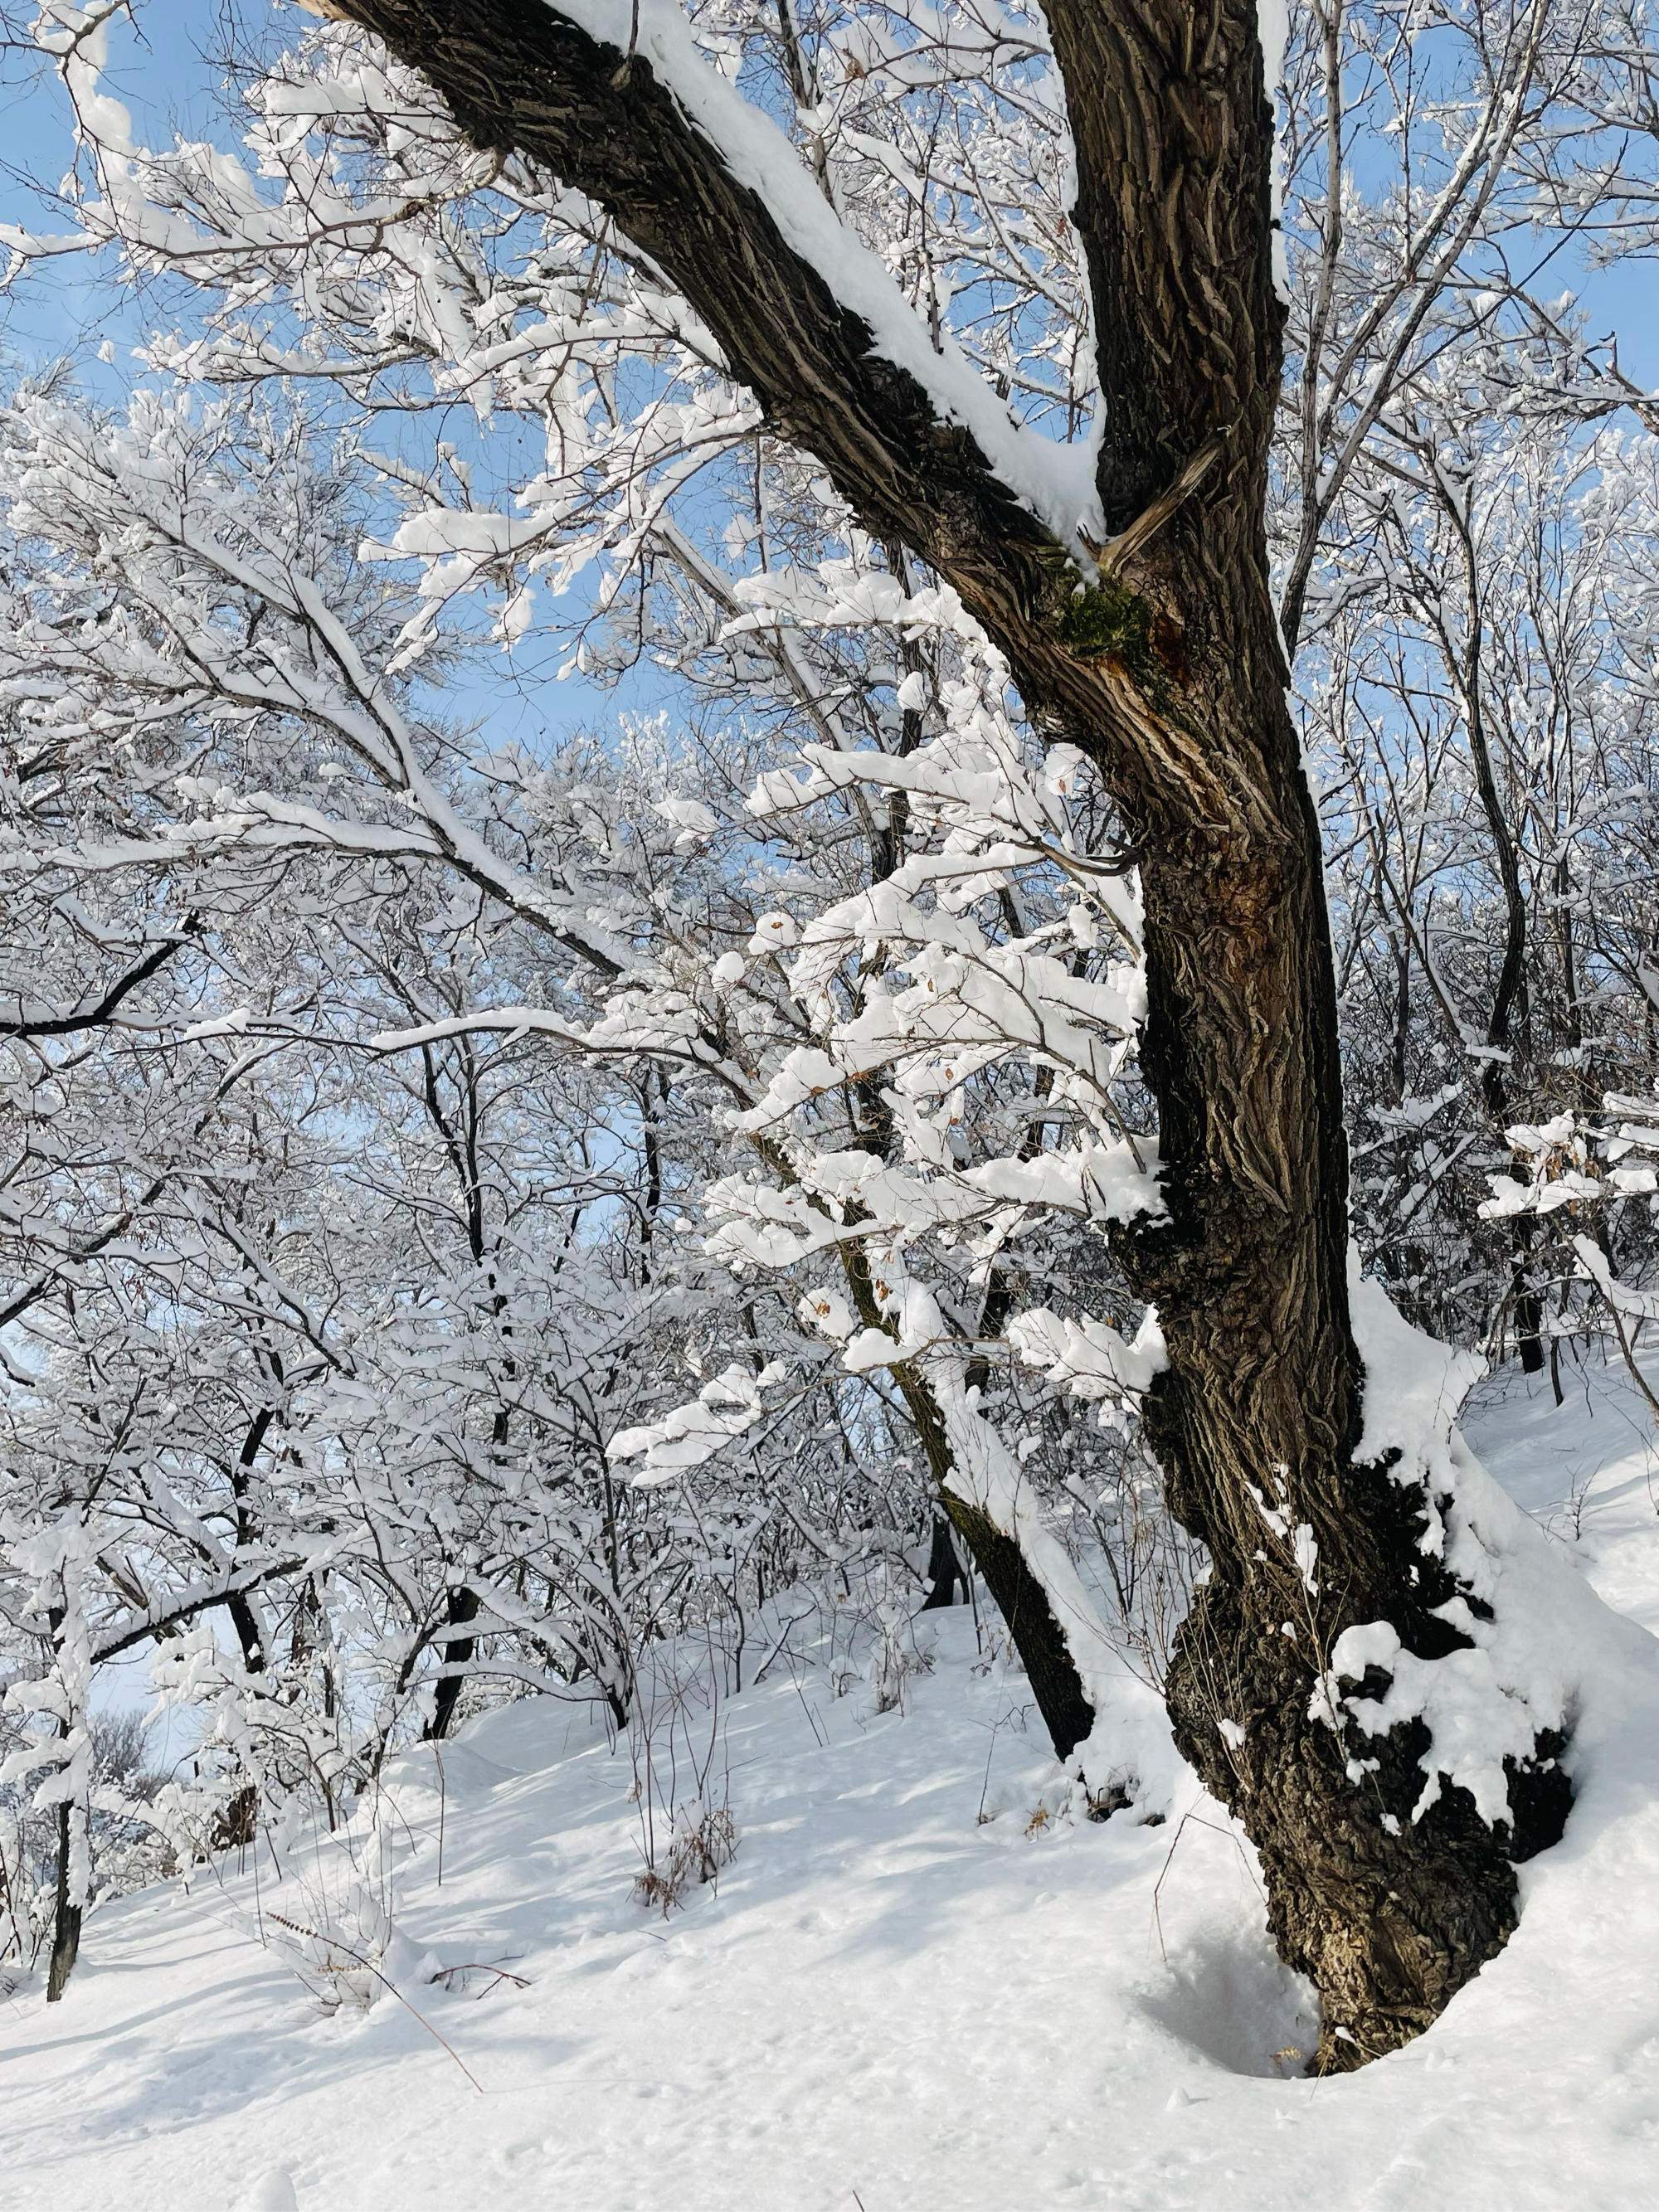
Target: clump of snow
1542	1634
1090	1359
1273	22
726	1408
272	2192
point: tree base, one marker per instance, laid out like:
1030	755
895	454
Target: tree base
65	1949
1388	1917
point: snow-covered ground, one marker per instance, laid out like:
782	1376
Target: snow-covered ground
889	2001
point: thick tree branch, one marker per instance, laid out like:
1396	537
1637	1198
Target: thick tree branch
903	436
522	76
31	1022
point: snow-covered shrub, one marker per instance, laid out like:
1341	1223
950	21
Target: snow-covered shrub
703	1839
898	1652
329	1919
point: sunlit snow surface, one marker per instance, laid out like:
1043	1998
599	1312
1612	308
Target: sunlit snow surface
890	2002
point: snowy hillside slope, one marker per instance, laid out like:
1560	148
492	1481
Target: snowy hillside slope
887	2001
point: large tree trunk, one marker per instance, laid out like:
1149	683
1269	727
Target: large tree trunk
1165	665
1248	1274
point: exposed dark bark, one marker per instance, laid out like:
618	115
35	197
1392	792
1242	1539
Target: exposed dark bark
167	1619
240	1604
76	1020
1023	1604
1165	665
945	1573
463	1606
1017	1595
238	1822
66	1916
66	1920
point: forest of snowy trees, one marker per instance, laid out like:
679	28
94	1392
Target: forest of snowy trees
785	788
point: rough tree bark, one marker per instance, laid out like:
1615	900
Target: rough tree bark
66	1918
1166	667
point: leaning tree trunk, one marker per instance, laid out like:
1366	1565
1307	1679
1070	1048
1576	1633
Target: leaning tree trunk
1160	657
1019	1597
1260	1402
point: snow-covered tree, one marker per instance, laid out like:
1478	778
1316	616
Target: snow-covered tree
948	1024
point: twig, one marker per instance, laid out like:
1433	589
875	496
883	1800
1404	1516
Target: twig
482	1967
443	1802
1157	1917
